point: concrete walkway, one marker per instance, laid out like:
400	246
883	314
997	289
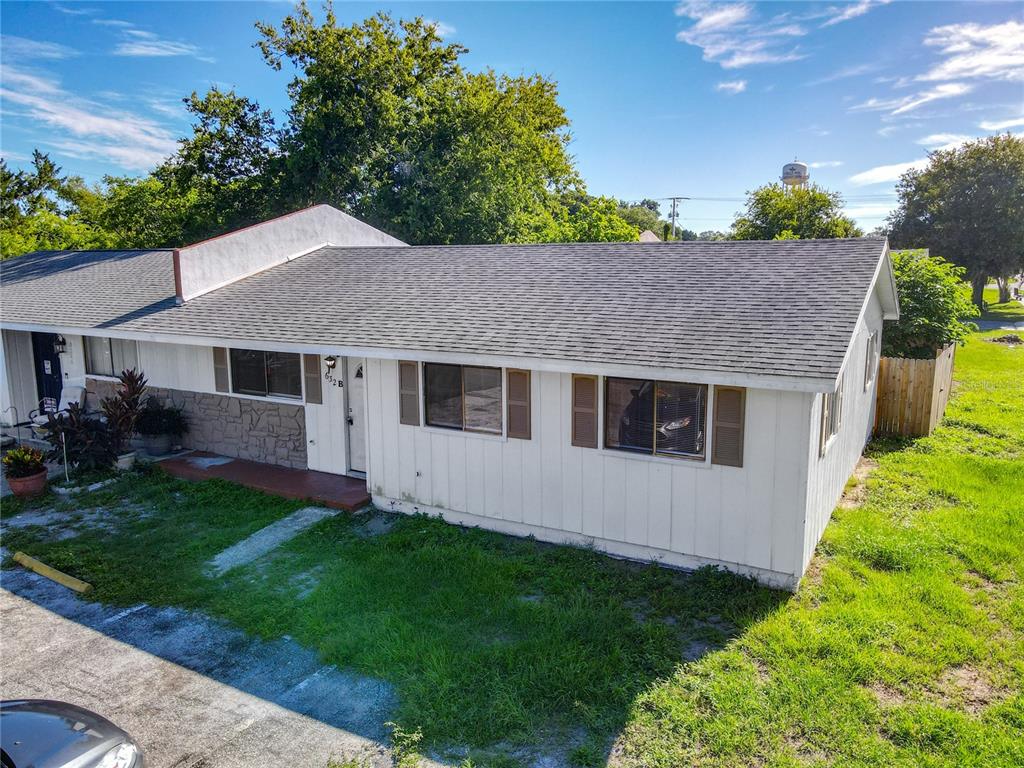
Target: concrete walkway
191	690
267	539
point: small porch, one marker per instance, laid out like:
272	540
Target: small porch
324	488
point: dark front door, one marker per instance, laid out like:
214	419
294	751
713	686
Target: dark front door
48	376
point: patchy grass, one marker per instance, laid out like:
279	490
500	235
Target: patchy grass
506	647
904	647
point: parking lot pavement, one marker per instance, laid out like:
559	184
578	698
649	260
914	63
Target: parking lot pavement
192	691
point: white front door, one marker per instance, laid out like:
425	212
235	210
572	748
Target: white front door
355	395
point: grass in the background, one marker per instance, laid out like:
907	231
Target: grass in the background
904	647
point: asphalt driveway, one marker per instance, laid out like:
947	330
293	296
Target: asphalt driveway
191	690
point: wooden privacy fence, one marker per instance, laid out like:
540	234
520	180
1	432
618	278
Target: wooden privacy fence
912	394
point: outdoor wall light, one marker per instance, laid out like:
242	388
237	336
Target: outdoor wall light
60	345
330	361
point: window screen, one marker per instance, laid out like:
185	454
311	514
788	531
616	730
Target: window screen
254	372
109	357
482	399
443	385
284	374
662	417
831	414
463	397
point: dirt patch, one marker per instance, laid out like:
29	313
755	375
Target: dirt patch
886	695
967	687
376	524
1011	338
856	488
67	524
804	751
303	584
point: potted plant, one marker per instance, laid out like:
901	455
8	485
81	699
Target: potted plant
80	440
26	471
159	425
121	411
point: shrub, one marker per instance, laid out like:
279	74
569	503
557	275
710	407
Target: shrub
23	462
156	419
84	440
122	409
933	306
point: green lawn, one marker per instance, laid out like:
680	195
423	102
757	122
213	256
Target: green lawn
1012	311
904	647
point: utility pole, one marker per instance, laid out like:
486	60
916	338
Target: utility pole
675	212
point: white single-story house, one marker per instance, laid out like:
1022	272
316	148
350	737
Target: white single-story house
686	402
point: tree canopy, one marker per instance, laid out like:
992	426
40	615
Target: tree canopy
383	122
775	213
967	206
933	307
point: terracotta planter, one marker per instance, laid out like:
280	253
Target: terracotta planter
32	485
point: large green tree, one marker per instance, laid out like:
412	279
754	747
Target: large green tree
776	213
39	210
967	206
384	122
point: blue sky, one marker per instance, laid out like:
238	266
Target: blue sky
702	99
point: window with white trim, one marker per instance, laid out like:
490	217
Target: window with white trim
109	357
871	360
831	414
266	374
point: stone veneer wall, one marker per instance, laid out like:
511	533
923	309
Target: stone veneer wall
258	430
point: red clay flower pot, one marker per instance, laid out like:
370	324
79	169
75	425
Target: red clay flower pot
32	485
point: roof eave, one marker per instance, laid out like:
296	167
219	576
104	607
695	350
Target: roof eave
791	383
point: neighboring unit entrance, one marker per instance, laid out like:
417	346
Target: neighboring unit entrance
49	380
355	399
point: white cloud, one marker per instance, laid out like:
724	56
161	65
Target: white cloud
902	105
886	173
973	50
1001	125
75	11
845	72
20	48
826	164
113	23
442	29
732	86
84	128
840	13
732	36
709	16
139	42
943	140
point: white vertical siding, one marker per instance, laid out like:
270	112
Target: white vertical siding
682	512
18	388
827	475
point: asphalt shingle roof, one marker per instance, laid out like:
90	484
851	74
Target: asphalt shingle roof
782	308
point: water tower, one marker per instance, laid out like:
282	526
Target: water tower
795	175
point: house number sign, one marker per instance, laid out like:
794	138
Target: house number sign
332	380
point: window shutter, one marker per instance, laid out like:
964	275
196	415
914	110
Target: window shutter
408	393
584	411
220	369
518	404
730	410
311	372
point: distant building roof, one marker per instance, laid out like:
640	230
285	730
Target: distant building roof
649	237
